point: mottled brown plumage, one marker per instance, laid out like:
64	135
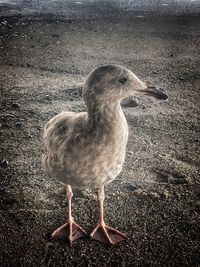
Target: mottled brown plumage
88	149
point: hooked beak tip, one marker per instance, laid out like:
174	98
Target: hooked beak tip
155	92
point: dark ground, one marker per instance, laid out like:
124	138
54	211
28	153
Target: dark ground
156	199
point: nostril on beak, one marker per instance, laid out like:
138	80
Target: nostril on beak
150	86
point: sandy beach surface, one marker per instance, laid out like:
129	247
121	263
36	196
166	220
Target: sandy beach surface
44	56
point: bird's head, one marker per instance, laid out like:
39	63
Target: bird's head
111	83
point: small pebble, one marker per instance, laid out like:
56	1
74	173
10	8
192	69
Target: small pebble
10	115
164	195
130	186
181	78
16	105
140	193
47	97
178	196
4	163
19	125
154	195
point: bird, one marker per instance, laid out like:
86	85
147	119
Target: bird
87	149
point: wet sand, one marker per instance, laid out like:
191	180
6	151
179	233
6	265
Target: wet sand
156	198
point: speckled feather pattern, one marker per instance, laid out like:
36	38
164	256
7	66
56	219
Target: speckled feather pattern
88	149
81	157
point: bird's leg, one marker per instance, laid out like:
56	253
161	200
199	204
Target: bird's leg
70	230
103	232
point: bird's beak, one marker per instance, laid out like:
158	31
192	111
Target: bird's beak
152	91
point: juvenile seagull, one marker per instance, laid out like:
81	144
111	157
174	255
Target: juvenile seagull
87	149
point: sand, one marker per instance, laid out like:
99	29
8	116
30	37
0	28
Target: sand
156	198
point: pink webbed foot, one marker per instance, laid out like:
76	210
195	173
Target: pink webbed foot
107	234
69	231
103	232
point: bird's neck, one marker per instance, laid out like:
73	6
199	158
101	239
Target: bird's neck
105	116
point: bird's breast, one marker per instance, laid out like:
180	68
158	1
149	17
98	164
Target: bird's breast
88	158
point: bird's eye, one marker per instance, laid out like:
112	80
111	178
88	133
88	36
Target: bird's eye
122	80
